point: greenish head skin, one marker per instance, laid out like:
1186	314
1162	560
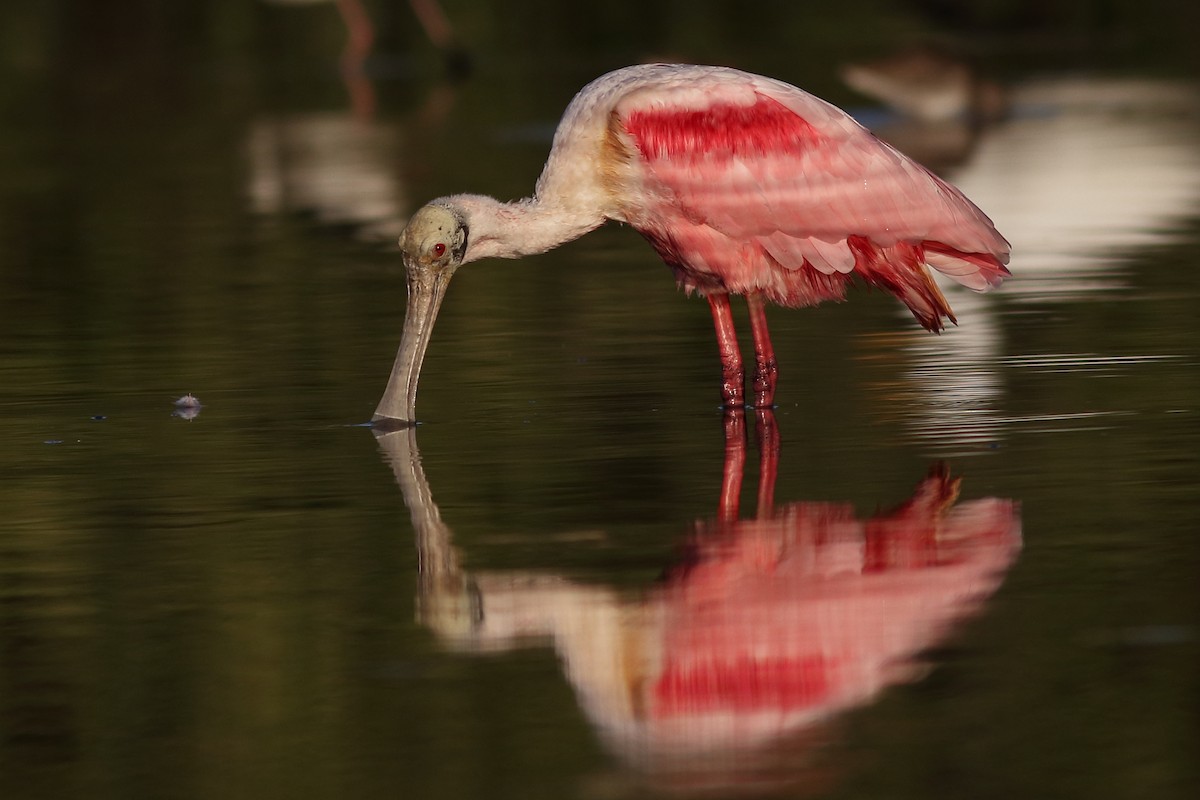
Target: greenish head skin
433	246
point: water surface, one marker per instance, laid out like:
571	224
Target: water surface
944	566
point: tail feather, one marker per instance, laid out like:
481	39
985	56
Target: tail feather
900	269
978	271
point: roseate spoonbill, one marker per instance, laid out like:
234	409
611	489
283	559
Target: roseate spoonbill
743	184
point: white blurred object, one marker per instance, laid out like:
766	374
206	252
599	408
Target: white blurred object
929	85
1084	173
340	169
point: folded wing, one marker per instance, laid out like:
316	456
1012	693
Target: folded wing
753	185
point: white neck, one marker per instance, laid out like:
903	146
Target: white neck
521	228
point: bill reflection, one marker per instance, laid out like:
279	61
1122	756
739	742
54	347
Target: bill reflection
764	630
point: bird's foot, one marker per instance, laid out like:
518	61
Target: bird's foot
733	391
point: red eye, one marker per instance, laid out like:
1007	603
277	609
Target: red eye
439	250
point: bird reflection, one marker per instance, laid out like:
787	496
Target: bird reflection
760	633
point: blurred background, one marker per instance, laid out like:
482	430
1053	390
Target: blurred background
552	595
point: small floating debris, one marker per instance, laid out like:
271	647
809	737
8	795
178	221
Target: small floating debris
187	407
98	417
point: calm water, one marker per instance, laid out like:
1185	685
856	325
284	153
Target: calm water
955	566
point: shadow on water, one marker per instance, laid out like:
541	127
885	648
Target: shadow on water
732	670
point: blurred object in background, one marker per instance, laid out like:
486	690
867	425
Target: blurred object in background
941	102
1083	174
437	27
340	169
360	34
929	85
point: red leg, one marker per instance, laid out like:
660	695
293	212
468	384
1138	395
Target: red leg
764	354
733	393
768	465
735	465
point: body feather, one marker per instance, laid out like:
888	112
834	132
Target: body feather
745	184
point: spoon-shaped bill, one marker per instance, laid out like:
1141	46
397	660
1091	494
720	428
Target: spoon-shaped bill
426	288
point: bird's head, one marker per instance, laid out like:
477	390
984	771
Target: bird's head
433	245
440	238
435	239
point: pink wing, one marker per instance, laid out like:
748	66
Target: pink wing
755	185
